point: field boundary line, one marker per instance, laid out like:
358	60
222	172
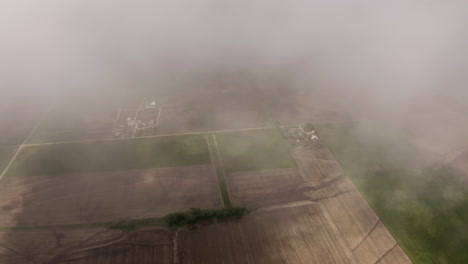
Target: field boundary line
214	167
386	253
11	162
285	205
20	147
336	231
366	202
135	120
157	118
301	170
226	182
374	227
152	136
175	242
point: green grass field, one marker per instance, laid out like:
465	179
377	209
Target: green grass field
254	150
422	204
111	155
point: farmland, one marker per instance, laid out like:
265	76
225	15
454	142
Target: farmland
219	169
75	121
301	217
57	159
89	182
146	246
254	150
16	128
97	197
255	189
314	188
293	190
40	245
267	237
423	205
5	155
301	196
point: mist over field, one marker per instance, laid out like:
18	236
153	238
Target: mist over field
398	69
372	57
384	84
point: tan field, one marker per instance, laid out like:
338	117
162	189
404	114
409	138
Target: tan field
145	246
40	245
106	196
299	234
309	214
256	189
318	183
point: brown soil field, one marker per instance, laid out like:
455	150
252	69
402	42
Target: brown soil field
39	245
255	189
317	166
365	236
149	245
106	196
318	182
302	232
300	219
299	234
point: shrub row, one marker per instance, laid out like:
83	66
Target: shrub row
180	219
195	215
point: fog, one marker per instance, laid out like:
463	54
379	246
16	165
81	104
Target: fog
377	61
397	69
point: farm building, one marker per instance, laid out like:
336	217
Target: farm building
150	105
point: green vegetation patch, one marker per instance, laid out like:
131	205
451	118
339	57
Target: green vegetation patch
219	170
180	219
254	150
422	204
111	155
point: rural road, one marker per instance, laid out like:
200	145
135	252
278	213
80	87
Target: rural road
25	144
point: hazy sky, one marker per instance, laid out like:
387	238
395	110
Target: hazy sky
379	55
